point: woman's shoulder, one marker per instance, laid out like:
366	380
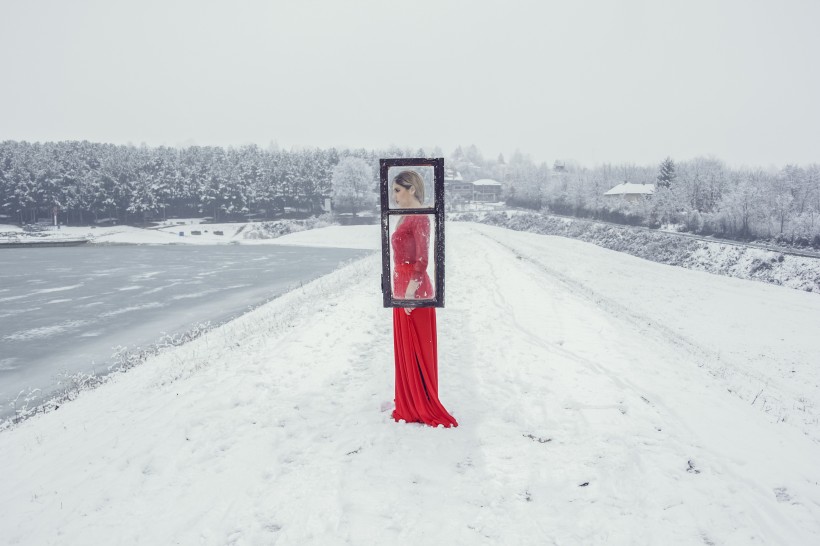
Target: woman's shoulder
420	219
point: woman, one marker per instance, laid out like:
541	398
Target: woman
414	330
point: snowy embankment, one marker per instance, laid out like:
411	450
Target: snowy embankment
193	232
743	262
601	399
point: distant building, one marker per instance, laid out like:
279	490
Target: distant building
451	175
630	192
487	190
454	185
559	167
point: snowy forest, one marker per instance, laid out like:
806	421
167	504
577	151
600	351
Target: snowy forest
701	196
90	182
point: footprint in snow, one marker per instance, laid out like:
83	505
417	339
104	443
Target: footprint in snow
539	439
782	494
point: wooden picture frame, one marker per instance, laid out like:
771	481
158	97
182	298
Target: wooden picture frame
430	168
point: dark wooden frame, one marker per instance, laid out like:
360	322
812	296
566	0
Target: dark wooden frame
437	210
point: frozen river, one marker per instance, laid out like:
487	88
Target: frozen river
65	310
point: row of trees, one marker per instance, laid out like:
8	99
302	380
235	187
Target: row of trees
702	196
89	182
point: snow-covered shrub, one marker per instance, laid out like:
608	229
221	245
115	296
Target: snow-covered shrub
694	222
465	217
670	248
278	228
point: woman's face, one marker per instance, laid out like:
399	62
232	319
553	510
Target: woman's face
405	198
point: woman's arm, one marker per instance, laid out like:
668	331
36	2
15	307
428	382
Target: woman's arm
421	240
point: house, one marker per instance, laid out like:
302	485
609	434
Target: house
487	190
451	175
454	185
630	192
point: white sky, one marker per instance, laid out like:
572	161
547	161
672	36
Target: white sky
592	81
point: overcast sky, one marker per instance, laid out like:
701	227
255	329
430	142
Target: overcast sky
591	81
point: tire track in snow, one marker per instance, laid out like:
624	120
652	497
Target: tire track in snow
612	307
539	396
741	380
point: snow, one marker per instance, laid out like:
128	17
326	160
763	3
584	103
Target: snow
356	237
735	260
486	182
58	289
629	188
46	331
124	310
359	237
601	398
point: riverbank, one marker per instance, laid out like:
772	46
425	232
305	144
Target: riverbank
41	243
193	232
70	313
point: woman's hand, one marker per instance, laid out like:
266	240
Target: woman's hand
410	294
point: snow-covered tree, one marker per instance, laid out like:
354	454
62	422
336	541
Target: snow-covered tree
666	173
525	181
352	185
90	181
743	205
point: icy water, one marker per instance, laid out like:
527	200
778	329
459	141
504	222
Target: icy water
65	310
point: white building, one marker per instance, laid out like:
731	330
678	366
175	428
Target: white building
487	190
630	192
454	185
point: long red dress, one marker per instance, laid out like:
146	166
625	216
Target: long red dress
414	335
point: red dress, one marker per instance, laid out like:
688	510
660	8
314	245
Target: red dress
414	335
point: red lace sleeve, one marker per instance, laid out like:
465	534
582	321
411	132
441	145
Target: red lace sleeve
421	236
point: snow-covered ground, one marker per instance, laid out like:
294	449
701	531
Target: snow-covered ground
602	399
714	256
360	237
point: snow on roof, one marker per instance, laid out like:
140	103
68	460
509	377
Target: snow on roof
486	182
450	175
628	188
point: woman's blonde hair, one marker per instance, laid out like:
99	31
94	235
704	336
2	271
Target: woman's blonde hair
411	179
